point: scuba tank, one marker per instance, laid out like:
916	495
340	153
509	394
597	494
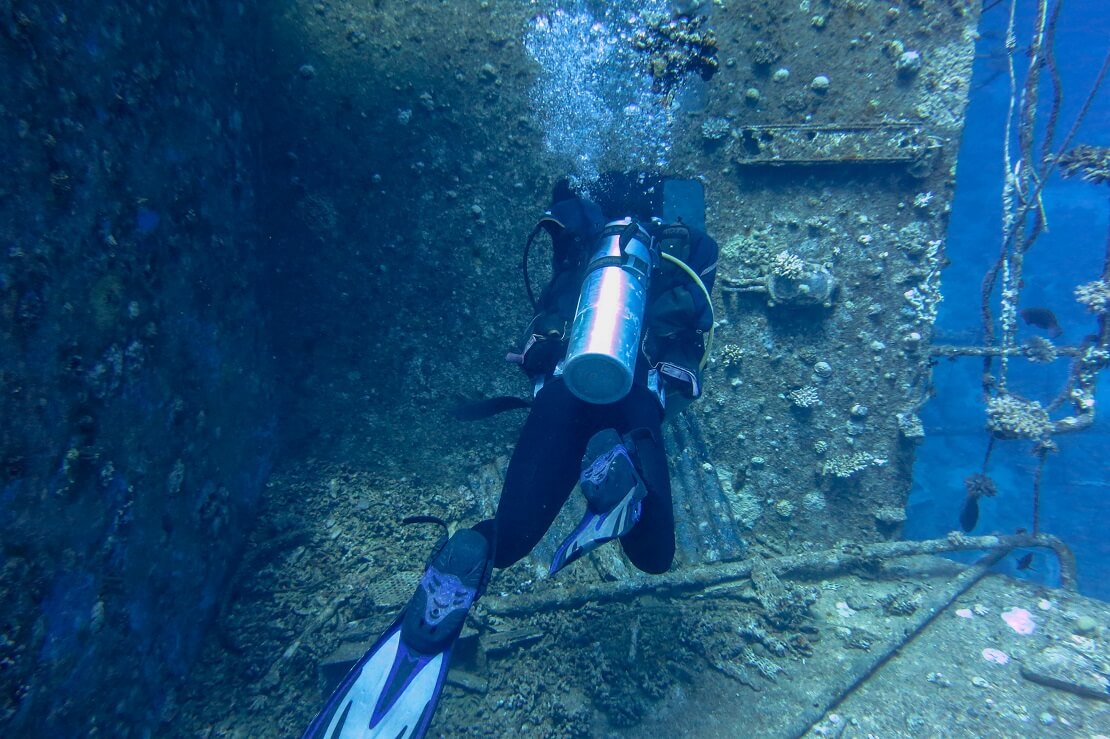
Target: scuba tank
605	335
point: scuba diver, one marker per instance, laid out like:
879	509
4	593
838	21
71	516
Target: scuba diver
618	342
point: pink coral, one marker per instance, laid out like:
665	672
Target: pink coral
995	655
1020	620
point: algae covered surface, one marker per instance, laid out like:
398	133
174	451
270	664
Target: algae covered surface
407	226
419	144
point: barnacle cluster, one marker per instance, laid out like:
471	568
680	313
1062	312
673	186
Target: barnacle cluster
1010	417
1092	163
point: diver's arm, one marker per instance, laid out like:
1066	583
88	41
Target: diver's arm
680	320
571	223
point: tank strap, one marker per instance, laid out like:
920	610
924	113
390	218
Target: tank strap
628	232
624	261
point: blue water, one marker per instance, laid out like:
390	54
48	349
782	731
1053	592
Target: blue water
1075	497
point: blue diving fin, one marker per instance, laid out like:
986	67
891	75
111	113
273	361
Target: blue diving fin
393	690
614	495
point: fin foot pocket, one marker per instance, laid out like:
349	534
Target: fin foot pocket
393	690
452	582
614	495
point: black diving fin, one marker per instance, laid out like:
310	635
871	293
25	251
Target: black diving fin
479	409
393	690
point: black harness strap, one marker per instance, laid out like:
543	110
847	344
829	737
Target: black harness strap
625	260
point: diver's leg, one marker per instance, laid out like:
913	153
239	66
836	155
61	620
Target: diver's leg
612	488
626	485
650	544
542	473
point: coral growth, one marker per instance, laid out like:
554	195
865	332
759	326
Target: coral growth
752	631
319	214
677	47
1094	295
850	464
1010	417
1092	163
890	515
814	501
910	426
764	53
902	602
785	605
1040	350
730	356
715	129
979	485
788	265
805	397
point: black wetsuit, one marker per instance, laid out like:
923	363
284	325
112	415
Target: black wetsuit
545	464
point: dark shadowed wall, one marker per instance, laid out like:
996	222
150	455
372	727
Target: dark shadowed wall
136	426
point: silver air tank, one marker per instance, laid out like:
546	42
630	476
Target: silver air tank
605	334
